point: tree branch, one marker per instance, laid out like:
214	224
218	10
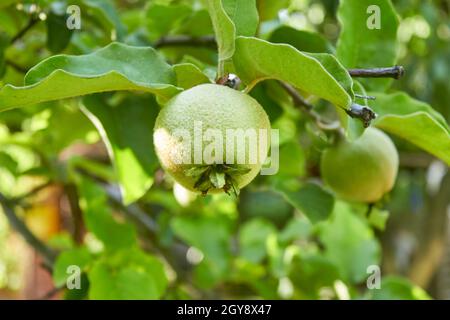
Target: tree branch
33	20
395	72
72	196
16	67
182	41
48	254
300	102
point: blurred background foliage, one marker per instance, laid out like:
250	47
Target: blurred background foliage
174	245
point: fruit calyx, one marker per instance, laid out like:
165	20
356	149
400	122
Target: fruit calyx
216	176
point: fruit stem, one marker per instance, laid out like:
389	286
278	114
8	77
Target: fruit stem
361	112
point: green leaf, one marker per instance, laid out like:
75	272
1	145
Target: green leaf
189	75
198	24
128	274
162	19
316	203
336	69
256	60
127	129
79	257
252	239
268	9
58	35
311	272
301	40
6	3
414	121
115	67
224	29
217	179
378	218
349	243
244	15
4	43
9	163
99	219
361	47
211	236
106	14
397	288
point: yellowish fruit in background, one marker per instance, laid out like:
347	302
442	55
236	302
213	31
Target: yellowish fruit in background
43	216
215	107
363	170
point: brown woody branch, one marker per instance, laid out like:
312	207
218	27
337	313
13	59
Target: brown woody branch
365	114
395	72
186	41
31	23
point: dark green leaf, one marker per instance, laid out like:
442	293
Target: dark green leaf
301	40
127	129
316	203
58	35
162	19
79	257
99	219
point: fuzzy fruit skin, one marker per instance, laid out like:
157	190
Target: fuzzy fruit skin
362	170
217	107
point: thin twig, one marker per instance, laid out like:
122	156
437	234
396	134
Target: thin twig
132	210
33	20
48	295
77	215
177	41
300	102
48	254
395	72
16	67
32	192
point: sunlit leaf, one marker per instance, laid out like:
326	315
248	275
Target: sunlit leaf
115	67
189	75
223	28
244	15
414	121
127	274
99	219
257	60
301	40
77	257
349	243
362	42
127	129
397	288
